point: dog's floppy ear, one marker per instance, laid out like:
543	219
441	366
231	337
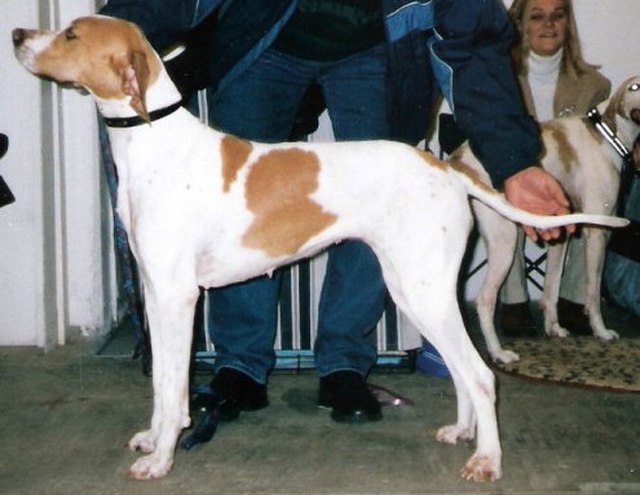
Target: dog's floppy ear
134	73
614	107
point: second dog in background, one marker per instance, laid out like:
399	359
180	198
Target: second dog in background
588	168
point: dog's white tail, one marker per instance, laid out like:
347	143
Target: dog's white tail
492	198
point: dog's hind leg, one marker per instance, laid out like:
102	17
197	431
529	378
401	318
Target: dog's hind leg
170	311
474	383
464	429
549	301
499	236
425	289
596	241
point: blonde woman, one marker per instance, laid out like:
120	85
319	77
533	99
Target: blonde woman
556	82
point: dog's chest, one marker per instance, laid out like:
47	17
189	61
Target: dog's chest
166	175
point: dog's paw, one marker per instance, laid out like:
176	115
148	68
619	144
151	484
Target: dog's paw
451	434
150	467
482	468
555	330
506	357
607	335
144	441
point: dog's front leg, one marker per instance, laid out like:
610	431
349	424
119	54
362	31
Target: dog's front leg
171	326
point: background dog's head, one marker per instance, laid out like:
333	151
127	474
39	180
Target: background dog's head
624	103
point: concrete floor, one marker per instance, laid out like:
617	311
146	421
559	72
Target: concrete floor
65	418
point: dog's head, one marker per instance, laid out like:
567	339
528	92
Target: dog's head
108	57
625	104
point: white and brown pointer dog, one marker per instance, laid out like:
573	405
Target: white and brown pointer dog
202	208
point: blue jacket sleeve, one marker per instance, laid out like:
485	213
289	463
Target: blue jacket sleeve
471	61
164	22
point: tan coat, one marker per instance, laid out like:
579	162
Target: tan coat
573	96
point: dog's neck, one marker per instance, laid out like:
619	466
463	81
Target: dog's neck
162	93
613	125
627	130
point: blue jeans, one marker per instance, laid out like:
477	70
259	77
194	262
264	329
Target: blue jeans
261	105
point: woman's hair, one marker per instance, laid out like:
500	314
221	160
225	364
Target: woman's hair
572	62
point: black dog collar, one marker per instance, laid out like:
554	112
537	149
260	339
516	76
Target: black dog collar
607	133
627	171
136	120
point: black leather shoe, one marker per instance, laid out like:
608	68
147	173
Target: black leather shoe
572	316
230	392
516	320
347	394
238	392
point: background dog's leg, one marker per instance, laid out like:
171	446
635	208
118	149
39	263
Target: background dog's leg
596	240
170	312
499	236
549	302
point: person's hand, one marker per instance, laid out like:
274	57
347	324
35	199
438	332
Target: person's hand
536	191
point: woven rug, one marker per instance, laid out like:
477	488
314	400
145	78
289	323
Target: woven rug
578	361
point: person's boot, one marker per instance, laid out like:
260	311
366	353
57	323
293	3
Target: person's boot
229	393
238	392
516	320
347	394
572	316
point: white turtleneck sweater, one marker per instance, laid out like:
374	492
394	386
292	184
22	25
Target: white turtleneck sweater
542	77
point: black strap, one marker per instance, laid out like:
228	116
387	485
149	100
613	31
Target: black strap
6	196
136	120
627	171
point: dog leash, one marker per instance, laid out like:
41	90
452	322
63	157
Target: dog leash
627	171
207	405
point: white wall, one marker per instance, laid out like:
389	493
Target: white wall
21	225
54	263
607	33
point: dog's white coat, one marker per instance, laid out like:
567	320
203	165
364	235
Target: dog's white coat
197	215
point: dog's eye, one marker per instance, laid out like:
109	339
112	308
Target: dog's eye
69	34
634	87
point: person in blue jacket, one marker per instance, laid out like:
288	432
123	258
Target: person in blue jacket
379	66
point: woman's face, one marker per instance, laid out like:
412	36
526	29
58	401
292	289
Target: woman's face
547	26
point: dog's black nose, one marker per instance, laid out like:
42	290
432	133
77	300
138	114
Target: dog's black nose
18	35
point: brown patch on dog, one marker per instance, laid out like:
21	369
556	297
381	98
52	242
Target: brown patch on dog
593	132
566	152
278	191
458	164
464	168
431	160
234	153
